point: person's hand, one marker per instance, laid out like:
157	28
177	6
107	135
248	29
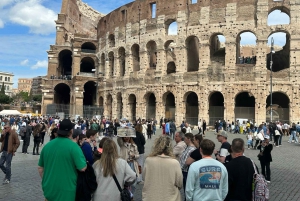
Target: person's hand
94	143
216	151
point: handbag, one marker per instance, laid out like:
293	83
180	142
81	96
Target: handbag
277	132
125	193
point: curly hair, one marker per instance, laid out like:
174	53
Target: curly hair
162	145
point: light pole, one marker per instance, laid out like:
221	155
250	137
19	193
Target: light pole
271	76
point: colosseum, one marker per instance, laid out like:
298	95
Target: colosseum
133	63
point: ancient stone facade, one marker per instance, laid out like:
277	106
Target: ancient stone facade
141	70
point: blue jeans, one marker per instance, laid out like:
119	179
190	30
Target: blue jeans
6	158
293	134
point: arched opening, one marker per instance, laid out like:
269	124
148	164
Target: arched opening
172	27
246	48
278	17
171	67
281	51
216	107
151	106
111	40
152	53
119	106
280	106
170	108
62	94
102	64
135	51
109	102
65	63
101	101
87	65
217	48
111	64
88	47
132	106
245	107
193	60
192	108
122	61
89	95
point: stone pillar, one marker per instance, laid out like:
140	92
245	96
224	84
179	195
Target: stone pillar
52	66
76	65
114	106
161	61
144	62
125	105
229	106
128	64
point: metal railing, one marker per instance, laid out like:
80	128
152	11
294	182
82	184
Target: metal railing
88	51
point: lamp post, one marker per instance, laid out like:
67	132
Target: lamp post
271	76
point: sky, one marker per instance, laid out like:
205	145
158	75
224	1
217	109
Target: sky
27	29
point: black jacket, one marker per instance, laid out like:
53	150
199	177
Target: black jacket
266	153
86	184
28	131
140	142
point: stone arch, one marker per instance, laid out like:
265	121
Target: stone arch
280	104
281	54
119	105
111	40
121	54
217	47
191	107
216	107
246	44
88	47
132	107
152	53
62	94
170	105
89	94
192	49
245	106
135	51
87	65
101	101
171	67
102	64
111	64
109	103
150	100
65	59
171	27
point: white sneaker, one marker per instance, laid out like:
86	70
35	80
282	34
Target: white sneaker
6	181
268	181
289	142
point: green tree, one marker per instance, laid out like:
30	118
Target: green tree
4	99
2	92
37	98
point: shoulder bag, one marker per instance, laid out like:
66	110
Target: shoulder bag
125	193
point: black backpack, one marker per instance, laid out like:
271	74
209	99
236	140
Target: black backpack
22	131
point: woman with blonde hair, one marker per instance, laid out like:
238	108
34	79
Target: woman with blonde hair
105	168
162	173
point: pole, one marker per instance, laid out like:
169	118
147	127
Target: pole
271	84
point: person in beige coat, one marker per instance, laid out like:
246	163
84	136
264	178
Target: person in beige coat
162	173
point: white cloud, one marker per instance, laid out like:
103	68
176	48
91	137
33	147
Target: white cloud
40	64
24	62
32	14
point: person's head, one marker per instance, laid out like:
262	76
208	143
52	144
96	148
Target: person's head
108	160
81	139
207	147
54	132
162	145
139	128
7	127
102	142
75	135
237	145
189	138
179	136
183	130
222	136
197	140
294	125
91	134
65	128
267	139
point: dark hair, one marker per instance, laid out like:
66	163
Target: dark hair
199	138
237	145
207	146
102	142
81	136
189	136
90	133
183	130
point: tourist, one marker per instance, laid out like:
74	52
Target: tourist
149	130
89	146
26	138
53	134
195	155
204	127
240	173
250	139
59	161
180	145
36	139
223	152
207	178
9	145
106	167
99	151
172	129
265	158
162	173
140	141
43	132
199	126
293	133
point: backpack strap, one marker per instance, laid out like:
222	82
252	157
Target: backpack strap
254	167
116	181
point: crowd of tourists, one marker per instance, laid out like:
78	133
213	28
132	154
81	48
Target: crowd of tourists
83	156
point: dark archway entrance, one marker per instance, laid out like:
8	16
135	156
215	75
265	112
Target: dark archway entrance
216	107
109	102
280	106
151	106
65	63
132	107
87	65
89	96
171	67
192	108
245	106
119	106
193	60
170	108
62	94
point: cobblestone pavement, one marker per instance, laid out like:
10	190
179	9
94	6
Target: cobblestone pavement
285	173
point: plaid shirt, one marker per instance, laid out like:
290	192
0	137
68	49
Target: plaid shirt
185	154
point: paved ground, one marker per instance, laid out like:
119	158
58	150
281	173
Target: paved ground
25	183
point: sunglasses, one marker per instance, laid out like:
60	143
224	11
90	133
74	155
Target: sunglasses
6	127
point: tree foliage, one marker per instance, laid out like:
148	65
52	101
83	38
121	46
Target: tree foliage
4	99
2	92
37	98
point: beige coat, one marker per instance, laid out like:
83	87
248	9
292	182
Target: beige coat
178	149
163	179
127	150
